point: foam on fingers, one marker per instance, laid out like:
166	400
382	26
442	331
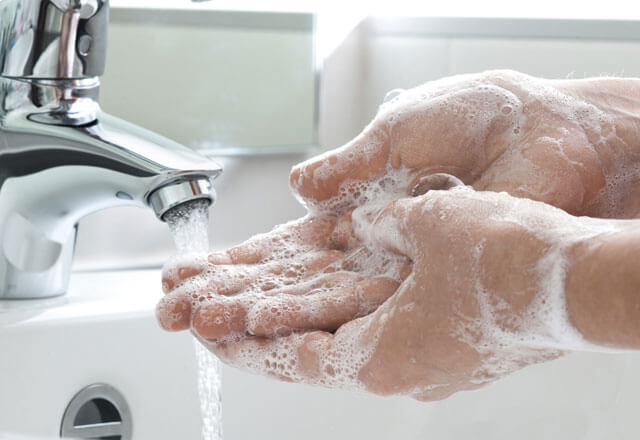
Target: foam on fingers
325	310
285	241
363	159
220	319
173	312
318	304
317	358
219	258
181	267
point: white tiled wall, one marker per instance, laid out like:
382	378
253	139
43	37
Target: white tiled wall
394	61
212	86
342	92
547	58
401	62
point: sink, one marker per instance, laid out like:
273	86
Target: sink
104	332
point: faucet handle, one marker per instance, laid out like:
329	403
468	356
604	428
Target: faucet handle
53	39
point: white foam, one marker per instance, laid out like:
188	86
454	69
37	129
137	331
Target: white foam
331	362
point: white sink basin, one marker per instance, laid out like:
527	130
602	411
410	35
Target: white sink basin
104	331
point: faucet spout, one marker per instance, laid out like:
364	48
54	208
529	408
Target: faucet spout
53	174
61	157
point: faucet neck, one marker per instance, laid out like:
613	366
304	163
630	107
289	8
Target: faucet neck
69	102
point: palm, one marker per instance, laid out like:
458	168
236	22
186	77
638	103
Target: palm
262	286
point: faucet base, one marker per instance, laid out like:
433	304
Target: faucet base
32	266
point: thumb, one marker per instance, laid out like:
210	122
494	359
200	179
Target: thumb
399	226
364	158
386	227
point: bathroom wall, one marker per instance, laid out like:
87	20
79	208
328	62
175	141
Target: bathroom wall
406	61
215	79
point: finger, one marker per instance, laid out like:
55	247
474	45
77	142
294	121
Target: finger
431	182
342	237
183	267
311	285
268	276
326	310
285	240
434	394
221	318
232	279
364	158
319	358
310	264
358	258
283	314
173	312
180	268
392	228
219	258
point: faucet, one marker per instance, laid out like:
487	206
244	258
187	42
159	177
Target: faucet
61	157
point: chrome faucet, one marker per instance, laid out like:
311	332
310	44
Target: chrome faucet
61	157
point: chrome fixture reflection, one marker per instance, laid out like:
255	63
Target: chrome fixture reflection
61	157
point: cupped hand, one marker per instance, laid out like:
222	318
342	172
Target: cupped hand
308	274
483	299
565	143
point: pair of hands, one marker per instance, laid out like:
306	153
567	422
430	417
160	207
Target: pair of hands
402	280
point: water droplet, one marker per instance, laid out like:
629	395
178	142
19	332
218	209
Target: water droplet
392	94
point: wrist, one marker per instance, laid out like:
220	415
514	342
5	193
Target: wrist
602	287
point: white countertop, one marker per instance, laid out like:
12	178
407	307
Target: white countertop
92	295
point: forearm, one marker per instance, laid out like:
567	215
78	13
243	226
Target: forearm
603	288
619	99
615	138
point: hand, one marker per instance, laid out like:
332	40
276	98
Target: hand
484	299
572	143
308	274
499	131
496	131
